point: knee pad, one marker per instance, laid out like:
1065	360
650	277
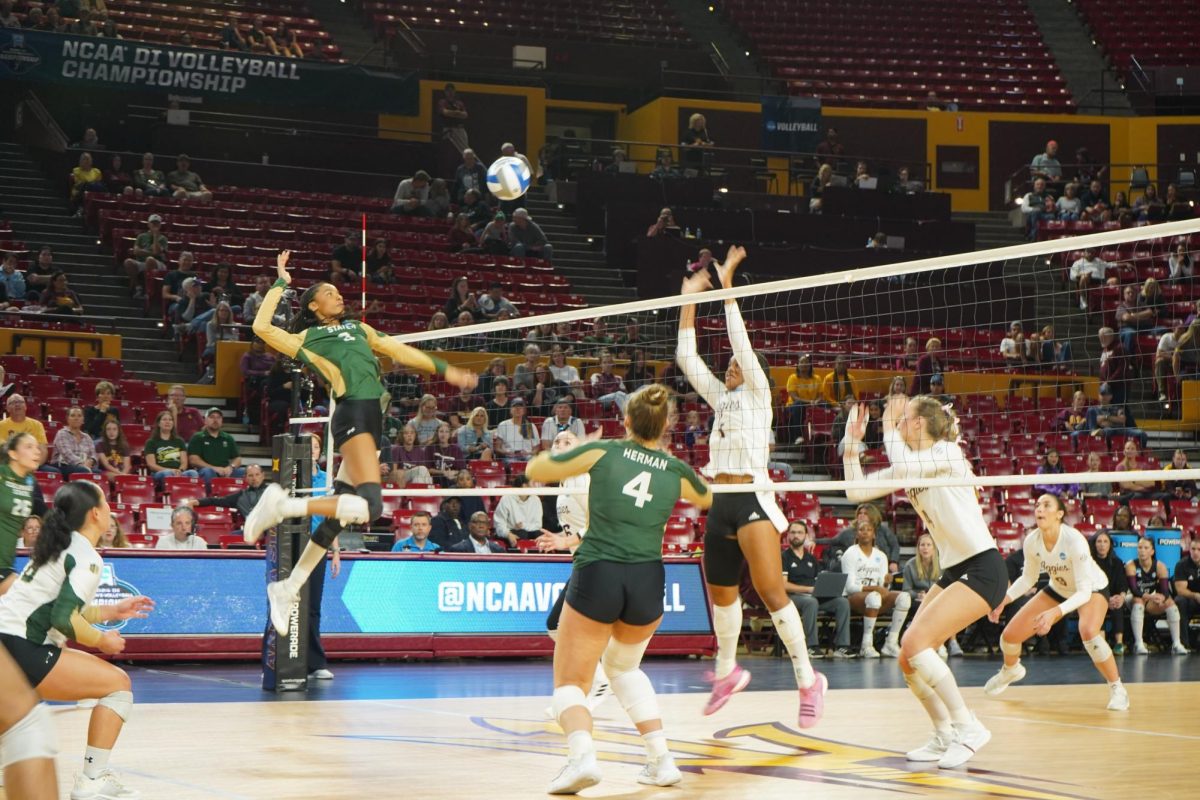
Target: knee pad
567	697
120	703
328	530
636	696
31	737
917	685
1010	648
903	601
930	667
1098	649
353	510
1173	614
620	658
373	494
873	601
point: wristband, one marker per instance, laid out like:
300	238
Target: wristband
280	283
439	365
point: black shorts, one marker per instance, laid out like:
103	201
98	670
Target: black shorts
607	591
1105	593
556	612
722	554
352	417
35	660
984	573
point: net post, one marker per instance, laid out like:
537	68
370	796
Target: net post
285	659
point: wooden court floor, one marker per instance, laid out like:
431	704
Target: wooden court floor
1049	742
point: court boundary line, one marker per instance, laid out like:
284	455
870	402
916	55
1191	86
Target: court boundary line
1090	727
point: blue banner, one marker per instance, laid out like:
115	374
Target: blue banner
791	124
1168	546
214	596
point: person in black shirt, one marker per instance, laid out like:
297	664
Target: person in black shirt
1187	587
696	141
1118	585
801	567
448	530
346	260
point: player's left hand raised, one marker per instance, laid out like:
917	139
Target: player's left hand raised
133	608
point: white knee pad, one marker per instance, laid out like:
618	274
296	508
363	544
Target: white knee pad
120	703
903	601
1173	614
1010	648
1098	649
636	696
31	737
917	685
352	510
873	601
930	667
566	697
620	658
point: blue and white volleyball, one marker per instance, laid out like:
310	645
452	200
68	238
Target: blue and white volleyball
508	178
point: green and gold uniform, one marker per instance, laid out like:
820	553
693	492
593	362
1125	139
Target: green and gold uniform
16	504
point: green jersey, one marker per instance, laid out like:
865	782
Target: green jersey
16	503
633	491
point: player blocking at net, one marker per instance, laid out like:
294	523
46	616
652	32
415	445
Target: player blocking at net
1076	582
344	352
614	598
743	526
919	436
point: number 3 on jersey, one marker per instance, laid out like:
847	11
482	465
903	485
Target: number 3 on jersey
639	489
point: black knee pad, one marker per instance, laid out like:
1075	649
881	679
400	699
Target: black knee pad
373	494
326	532
341	487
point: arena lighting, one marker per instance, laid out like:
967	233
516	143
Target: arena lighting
712	9
723	190
561	206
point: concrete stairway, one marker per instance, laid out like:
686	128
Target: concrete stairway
992	228
1078	58
344	21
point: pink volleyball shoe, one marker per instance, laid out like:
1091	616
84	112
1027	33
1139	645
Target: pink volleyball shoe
812	702
725	688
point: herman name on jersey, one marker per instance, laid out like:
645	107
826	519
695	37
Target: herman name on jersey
658	462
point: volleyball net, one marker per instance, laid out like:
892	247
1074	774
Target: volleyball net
1014	340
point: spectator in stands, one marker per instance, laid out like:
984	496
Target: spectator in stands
665	224
1087	272
1013	347
599	339
885	538
1148	580
561	420
516	438
462	236
477	540
1096	205
164	451
921	572
459	408
1114	364
37	277
438	203
608	389
221	327
116	179
412	195
85	24
85	178
447	529
1180	264
1187	587
527	238
1052	465
477	210
928	365
193	311
461	299
426	421
819	184
231	36
346	260
286	43
830	149
1179	490
803	390
1121	211
470	174
186	184
878	241
904	185
639	373
495	370
1131	489
213	453
1177	206
74	450
94	416
474	438
452	113
18	422
838	385
113	451
562	372
7	18
1052	350
1122	521
35	19
446	457
694	432
619	157
256	38
703	259
523	381
907	360
1034	205
378	257
674	379
1131	315
172	288
148	181
1150	207
183	532
1111	418
1074	418
1068	206
631	339
60	299
494	238
499	403
664	166
421	525
801	567
1151	297
493	302
407	461
862	175
255	365
112	539
12	280
518	516
1046	165
222	278
867	589
1118	586
149	254
1164	354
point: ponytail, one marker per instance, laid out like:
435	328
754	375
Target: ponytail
72	503
648	410
940	421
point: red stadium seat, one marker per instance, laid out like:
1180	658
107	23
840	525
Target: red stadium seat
111	368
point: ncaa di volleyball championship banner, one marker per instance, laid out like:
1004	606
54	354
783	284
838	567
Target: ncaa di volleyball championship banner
791	124
90	61
214	596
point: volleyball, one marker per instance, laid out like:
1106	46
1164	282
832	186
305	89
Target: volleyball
508	178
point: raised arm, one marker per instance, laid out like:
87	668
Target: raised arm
754	375
419	360
277	338
687	354
555	468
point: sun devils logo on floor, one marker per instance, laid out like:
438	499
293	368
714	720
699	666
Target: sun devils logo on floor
769	750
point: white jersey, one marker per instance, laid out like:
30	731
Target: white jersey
862	569
1074	574
740	440
951	513
573	508
39	605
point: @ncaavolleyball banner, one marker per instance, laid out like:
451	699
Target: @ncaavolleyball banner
90	61
791	124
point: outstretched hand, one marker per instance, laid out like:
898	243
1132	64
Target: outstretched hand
733	259
856	424
133	608
281	262
697	282
461	378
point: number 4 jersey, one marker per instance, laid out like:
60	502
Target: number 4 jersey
632	494
16	503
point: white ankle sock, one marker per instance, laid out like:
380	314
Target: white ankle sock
1137	620
790	629
579	743
656	743
95	761
727	625
868	639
